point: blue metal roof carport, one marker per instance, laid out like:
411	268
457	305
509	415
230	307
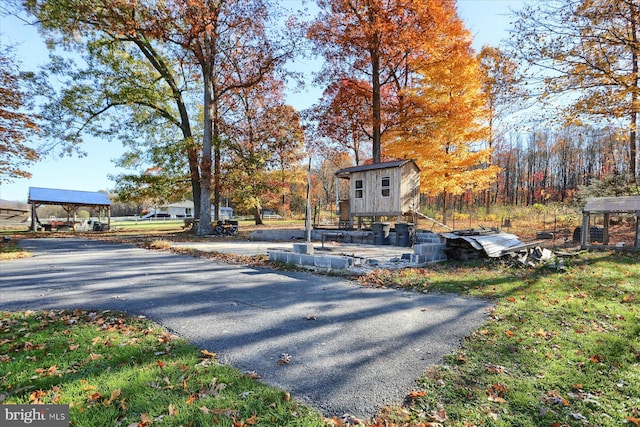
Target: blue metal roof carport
69	199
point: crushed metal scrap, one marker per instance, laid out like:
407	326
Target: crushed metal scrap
472	243
490	242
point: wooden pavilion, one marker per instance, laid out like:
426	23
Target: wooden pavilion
71	201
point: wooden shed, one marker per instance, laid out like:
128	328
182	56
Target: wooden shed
608	206
380	189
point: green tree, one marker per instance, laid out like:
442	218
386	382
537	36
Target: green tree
130	87
229	42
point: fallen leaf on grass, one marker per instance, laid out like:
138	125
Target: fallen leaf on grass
495	369
114	395
553	397
416	394
634	421
208	353
34	396
496	393
214	388
497	399
227	412
628	298
94	396
46	372
253	375
172	410
439	416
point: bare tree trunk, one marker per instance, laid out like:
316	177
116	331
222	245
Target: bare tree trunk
204	226
375	83
634	105
444	207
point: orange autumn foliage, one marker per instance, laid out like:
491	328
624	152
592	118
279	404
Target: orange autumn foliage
444	123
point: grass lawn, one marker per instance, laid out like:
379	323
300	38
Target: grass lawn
561	348
115	370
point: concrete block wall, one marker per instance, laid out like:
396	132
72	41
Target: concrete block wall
322	262
428	237
429	252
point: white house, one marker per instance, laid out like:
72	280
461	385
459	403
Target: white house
185	209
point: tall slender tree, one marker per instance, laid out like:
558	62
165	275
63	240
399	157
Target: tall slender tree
588	52
265	138
230	42
503	89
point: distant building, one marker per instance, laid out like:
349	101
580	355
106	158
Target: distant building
185	209
13	213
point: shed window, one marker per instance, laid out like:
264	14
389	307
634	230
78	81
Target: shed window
386	186
359	189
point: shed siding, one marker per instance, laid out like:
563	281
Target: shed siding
401	196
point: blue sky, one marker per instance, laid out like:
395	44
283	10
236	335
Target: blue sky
488	21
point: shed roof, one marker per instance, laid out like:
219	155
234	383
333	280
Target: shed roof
628	204
54	196
343	173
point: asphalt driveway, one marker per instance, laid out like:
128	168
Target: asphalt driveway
353	349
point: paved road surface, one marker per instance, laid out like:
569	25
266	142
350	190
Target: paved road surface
364	350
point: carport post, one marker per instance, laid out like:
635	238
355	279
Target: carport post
585	238
33	217
605	234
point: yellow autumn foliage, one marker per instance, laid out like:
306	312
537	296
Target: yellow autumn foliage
445	125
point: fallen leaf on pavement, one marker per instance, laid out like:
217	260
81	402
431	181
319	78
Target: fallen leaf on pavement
284	359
